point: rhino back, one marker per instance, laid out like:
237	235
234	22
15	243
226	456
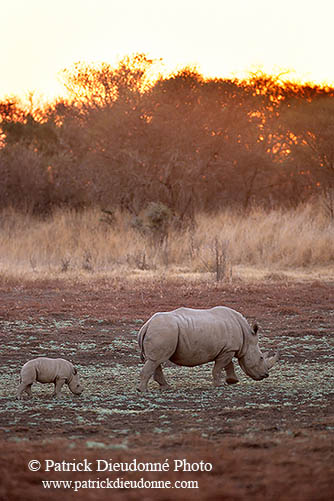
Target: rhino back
49	368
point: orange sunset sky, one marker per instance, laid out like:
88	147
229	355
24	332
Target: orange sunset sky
222	38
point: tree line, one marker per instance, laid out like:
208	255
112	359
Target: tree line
123	140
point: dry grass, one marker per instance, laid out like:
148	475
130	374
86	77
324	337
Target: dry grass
75	244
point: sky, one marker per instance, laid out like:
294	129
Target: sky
222	38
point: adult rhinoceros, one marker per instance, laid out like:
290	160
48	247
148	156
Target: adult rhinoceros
192	337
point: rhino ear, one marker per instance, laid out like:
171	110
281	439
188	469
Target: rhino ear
75	371
255	328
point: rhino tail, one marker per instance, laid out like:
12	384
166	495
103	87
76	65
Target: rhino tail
141	336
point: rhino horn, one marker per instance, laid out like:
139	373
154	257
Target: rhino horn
270	361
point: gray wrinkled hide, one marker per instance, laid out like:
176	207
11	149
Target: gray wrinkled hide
192	337
49	370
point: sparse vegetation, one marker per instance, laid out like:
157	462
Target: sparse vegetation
278	432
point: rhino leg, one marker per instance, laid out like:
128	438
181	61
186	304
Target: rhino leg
148	370
58	386
223	362
231	377
22	388
28	390
159	377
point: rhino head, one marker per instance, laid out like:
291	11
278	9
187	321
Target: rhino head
74	383
253	362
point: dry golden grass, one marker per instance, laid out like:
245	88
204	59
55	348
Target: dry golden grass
262	244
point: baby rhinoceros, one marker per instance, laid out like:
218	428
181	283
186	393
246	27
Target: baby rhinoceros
49	370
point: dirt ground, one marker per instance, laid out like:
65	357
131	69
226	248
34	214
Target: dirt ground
268	440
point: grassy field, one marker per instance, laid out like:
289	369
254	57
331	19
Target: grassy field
230	243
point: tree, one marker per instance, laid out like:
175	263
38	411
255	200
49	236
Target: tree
310	130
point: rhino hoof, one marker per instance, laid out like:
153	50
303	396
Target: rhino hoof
164	387
232	380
